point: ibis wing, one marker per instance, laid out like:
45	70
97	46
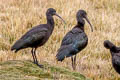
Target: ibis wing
67	39
72	43
34	36
72	36
31	38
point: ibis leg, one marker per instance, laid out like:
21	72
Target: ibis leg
41	66
35	56
75	62
32	51
72	62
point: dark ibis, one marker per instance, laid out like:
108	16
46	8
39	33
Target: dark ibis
37	36
75	40
115	53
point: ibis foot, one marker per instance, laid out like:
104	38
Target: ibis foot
40	65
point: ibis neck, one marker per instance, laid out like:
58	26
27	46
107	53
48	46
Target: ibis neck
114	50
50	20
81	26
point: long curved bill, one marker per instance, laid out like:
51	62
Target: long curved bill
60	18
89	23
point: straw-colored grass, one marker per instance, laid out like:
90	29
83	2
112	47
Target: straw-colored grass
19	16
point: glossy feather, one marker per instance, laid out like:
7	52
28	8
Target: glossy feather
32	37
72	43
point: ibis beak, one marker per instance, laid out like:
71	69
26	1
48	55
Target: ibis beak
60	18
89	23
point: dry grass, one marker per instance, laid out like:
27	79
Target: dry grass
18	16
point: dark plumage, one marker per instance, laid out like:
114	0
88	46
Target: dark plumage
75	40
115	53
37	36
